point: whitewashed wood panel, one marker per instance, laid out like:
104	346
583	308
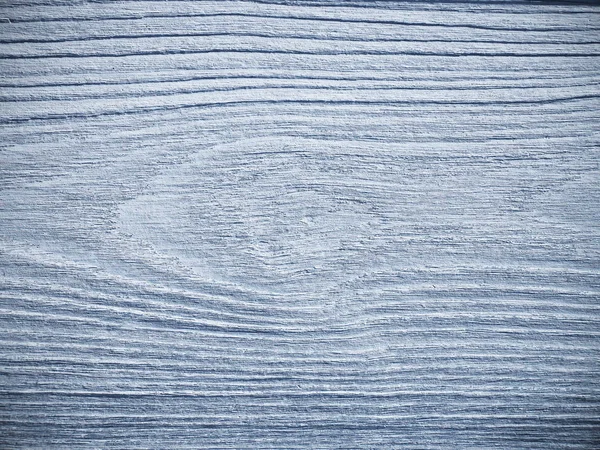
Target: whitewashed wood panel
299	224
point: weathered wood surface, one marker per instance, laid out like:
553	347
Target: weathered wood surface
254	225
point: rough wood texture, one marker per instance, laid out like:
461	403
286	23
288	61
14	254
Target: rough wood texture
304	225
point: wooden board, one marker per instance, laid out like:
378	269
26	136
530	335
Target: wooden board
299	225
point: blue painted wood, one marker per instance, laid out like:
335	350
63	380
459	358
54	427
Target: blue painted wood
299	225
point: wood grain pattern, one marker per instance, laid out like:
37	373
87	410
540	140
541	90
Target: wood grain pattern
299	225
